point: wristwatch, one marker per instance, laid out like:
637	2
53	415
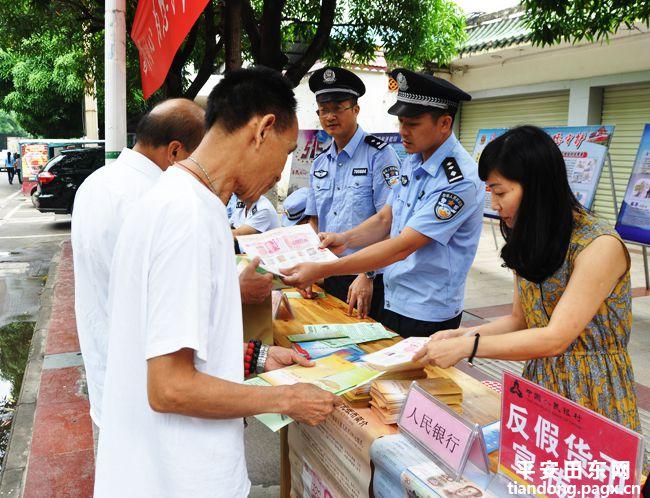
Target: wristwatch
370	275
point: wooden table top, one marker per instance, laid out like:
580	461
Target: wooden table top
481	404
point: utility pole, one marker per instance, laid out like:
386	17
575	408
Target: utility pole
115	77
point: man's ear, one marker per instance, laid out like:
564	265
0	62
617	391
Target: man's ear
264	127
174	149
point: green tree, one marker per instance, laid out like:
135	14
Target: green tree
9	125
570	21
43	71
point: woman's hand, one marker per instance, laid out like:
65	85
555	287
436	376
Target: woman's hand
445	353
449	334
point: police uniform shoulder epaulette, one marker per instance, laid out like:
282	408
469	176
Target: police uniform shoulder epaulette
452	170
375	142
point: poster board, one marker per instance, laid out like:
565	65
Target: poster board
584	149
633	223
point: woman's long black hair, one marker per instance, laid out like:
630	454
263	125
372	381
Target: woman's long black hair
536	245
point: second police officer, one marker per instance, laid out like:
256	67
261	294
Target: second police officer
350	181
433	217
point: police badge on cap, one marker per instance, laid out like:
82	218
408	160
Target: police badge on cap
419	93
335	84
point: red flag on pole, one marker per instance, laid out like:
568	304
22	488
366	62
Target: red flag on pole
159	28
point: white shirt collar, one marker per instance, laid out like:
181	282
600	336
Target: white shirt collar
139	162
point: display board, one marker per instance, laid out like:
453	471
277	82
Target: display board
633	223
584	149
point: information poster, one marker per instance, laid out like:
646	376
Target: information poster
34	157
633	222
311	143
553	447
584	149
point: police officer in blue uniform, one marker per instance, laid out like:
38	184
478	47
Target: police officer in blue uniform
433	217
350	181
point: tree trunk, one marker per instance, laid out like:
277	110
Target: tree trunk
233	11
271	35
298	69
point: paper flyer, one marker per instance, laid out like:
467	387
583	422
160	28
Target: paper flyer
356	333
332	373
274	421
398	356
285	247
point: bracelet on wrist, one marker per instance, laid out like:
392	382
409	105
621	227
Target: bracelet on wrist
251	356
261	359
470	361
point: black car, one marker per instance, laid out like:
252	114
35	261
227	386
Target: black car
62	176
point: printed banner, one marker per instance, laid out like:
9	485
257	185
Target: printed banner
584	149
159	28
633	221
553	447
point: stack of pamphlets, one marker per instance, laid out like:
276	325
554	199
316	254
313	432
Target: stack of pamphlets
360	396
388	396
398	356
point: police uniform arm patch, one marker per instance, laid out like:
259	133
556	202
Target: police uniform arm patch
375	142
452	170
390	175
448	206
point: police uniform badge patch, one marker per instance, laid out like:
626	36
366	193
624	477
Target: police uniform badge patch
405	180
321	173
254	210
391	175
448	206
240	205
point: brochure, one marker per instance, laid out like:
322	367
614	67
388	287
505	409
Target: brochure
332	373
355	333
398	356
285	247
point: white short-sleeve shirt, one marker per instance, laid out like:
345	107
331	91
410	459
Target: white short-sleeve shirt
100	206
261	216
173	285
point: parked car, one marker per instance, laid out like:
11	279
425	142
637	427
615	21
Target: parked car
62	176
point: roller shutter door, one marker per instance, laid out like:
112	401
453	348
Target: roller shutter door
628	109
547	109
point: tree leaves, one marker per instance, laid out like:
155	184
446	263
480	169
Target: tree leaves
571	21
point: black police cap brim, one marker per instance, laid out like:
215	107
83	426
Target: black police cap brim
409	110
334	97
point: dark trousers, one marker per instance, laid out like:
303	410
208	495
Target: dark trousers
10	173
410	327
338	287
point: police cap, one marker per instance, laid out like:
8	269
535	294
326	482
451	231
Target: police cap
419	93
335	84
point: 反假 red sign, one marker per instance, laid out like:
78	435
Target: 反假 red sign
159	28
551	446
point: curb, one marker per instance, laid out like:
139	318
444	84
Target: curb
17	456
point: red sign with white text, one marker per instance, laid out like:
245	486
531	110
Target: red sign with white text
159	28
557	448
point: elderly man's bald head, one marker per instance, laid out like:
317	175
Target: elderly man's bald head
179	120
